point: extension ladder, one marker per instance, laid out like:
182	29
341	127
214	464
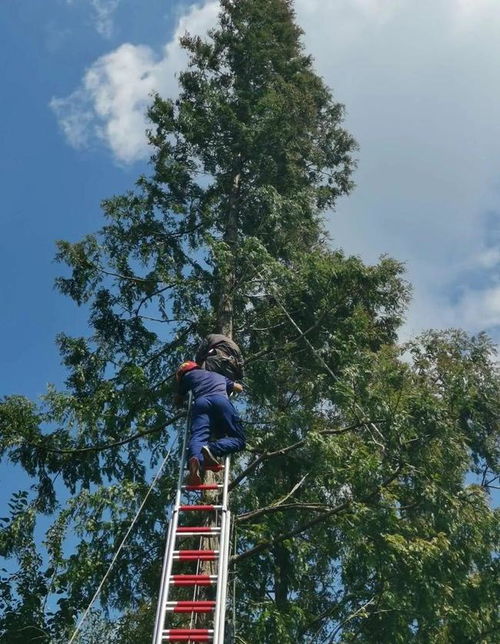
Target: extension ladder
220	531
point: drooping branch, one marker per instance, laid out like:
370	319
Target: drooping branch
274	506
100	448
264	545
351	617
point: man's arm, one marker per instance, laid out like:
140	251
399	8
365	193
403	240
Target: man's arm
178	400
180	393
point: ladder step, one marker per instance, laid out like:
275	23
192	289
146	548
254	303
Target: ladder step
206	508
203	486
188	635
193	580
198	529
191	606
194	555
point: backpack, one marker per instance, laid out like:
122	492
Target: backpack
219	353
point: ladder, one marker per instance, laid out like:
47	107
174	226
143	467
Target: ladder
170	582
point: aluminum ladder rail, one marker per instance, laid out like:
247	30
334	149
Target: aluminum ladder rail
173	556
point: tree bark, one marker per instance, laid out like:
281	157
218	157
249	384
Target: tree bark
225	303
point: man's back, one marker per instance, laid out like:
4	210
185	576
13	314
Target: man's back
205	383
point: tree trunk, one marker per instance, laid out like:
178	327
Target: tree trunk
224	325
224	312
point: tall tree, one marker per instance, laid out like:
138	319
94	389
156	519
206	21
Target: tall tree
356	518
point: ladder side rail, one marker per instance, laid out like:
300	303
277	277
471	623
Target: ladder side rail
225	555
225	486
218	605
222	568
223	581
170	543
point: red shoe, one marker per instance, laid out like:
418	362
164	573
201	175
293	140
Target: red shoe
193	478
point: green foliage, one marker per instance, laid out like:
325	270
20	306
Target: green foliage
356	516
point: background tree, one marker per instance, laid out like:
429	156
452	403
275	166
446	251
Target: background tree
356	517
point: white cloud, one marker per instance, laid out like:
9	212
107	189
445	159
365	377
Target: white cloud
75	117
420	82
104	10
480	309
111	102
489	258
103	15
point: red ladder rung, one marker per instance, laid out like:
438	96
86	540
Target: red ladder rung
203	486
191	606
191	555
203	528
188	634
193	580
206	508
186	603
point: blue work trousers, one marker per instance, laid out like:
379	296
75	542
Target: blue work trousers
215	417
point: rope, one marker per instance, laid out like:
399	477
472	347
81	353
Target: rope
120	547
318	355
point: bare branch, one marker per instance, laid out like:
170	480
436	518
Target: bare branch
317	507
165	320
279	503
100	448
130	278
149	296
351	617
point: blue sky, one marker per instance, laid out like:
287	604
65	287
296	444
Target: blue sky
420	84
50	190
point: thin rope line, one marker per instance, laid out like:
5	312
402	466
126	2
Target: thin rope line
120	547
318	355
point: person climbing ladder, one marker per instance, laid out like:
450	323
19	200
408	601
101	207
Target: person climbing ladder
212	414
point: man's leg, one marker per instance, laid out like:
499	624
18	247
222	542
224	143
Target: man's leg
200	433
229	425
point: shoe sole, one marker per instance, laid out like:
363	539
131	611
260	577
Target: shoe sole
209	461
194	477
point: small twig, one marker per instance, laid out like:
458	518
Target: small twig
351	617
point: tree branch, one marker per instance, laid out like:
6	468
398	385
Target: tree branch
100	448
352	616
284	450
264	545
317	507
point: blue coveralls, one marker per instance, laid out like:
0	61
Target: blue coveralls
212	414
